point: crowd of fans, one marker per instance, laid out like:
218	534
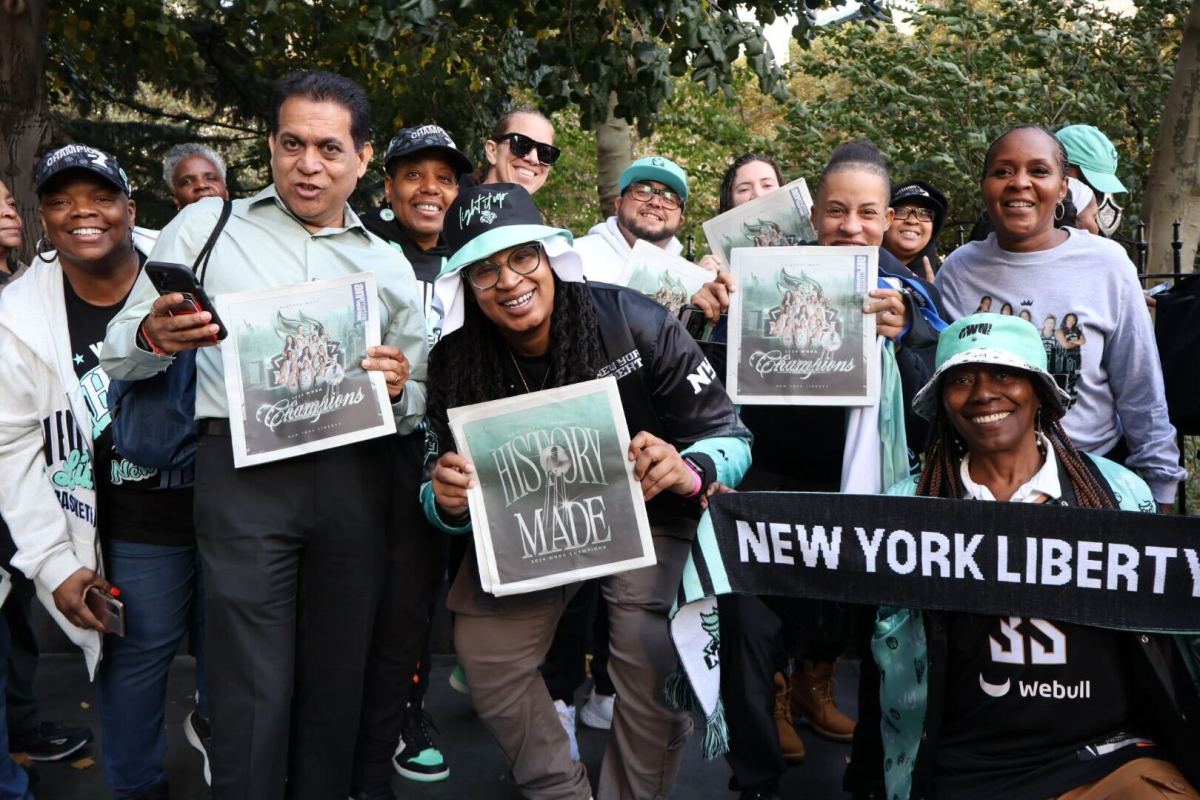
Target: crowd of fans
307	587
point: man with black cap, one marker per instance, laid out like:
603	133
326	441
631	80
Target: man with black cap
654	194
422	168
920	214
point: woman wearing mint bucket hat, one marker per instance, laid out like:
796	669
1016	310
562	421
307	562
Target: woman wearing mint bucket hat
518	317
943	680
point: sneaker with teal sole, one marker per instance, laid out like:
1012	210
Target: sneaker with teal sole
458	680
418	758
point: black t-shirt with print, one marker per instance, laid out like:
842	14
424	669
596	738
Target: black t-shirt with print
134	504
1033	708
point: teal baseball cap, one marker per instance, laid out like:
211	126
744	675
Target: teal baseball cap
656	168
487	219
1090	150
989	338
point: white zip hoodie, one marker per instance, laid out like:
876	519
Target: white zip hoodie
47	484
604	251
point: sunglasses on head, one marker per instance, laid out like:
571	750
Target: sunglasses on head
521	144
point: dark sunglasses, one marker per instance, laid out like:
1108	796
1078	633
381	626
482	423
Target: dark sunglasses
521	144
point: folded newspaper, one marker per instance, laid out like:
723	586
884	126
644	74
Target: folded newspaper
555	501
667	279
293	374
781	218
797	331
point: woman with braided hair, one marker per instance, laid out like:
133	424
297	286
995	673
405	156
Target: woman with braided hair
518	317
969	731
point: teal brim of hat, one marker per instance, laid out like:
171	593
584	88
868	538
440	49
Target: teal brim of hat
1103	181
497	239
995	339
449	291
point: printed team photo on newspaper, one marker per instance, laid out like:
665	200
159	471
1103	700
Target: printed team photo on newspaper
782	218
293	369
797	332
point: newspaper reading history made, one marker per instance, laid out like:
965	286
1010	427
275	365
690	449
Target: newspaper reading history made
797	331
554	501
293	374
782	218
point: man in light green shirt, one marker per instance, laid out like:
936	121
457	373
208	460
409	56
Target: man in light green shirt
293	551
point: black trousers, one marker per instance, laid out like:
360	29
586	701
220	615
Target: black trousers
758	633
293	555
397	668
22	705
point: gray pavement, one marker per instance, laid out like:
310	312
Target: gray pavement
478	770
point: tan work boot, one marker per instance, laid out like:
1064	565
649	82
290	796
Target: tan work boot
812	698
790	744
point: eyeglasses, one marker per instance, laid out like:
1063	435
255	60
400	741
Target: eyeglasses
910	213
484	275
521	144
642	192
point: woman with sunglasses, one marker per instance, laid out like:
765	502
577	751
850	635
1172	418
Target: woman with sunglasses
521	150
518	317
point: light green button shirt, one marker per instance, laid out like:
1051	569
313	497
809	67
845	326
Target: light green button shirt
263	246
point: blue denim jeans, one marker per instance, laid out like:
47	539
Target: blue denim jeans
14	781
163	595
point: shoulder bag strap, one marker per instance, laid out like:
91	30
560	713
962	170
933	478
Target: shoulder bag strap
200	266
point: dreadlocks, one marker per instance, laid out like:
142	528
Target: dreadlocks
940	476
465	366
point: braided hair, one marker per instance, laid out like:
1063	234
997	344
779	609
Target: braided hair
940	473
466	366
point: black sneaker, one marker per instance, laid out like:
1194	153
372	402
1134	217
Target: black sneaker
51	741
417	758
378	793
199	736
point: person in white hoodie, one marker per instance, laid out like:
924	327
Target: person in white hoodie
58	464
651	206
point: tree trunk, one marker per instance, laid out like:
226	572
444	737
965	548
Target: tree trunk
614	152
1173	186
26	128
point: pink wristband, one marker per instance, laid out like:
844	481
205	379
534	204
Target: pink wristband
699	480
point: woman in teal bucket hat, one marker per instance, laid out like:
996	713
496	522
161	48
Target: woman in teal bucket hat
942	681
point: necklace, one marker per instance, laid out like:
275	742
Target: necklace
521	373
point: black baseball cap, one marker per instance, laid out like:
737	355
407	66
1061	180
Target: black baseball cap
920	193
409	141
81	156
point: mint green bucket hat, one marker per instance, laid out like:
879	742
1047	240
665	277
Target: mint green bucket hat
989	338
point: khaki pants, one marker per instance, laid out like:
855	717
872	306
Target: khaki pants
501	642
1140	779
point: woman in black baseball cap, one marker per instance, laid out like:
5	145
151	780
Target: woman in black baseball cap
920	215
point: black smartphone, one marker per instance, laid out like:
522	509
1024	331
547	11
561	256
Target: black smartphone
106	608
695	323
169	278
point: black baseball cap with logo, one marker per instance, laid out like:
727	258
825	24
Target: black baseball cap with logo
81	156
410	141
